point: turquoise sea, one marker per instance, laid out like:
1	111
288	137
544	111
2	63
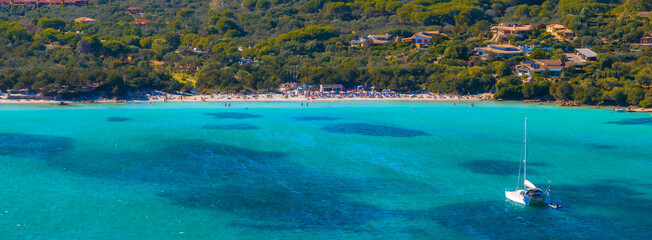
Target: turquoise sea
333	170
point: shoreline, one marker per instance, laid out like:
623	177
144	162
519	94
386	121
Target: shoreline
258	98
277	98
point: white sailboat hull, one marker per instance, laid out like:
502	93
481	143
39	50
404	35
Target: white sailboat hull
517	197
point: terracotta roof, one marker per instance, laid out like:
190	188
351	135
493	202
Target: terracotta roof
549	62
643	14
502	46
380	36
556	26
515	28
53	46
488	49
434	33
85	19
378	42
531	65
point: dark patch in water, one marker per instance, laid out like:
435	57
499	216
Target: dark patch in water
634	121
609	194
506	220
237	126
373	130
603	146
495	167
175	162
118	119
32	145
269	201
254	185
233	115
316	118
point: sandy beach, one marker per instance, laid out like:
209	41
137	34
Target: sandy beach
277	97
266	98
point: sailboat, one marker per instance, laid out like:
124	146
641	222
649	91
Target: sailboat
529	193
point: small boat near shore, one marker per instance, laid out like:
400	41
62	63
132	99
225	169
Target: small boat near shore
529	194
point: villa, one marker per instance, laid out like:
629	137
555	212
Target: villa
140	21
85	20
553	66
373	40
511	29
586	54
646	41
500	51
560	31
78	3
134	9
422	38
418	38
50	3
643	15
25	3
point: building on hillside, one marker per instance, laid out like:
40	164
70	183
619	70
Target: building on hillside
359	42
511	29
55	46
380	40
422	38
643	15
25	3
647	39
431	33
418	38
85	20
134	9
140	21
5	3
560	31
586	54
75	3
373	40
553	66
50	3
331	88
385	37
499	51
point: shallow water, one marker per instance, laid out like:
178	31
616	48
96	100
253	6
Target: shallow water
343	170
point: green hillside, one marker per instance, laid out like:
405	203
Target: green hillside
256	45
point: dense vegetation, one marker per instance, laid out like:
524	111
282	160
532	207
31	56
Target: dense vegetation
256	45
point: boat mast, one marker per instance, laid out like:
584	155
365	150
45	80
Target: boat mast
525	154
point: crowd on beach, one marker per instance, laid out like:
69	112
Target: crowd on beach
290	95
282	96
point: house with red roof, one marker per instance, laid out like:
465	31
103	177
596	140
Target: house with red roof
134	9
553	66
50	3
25	3
140	21
85	20
5	3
